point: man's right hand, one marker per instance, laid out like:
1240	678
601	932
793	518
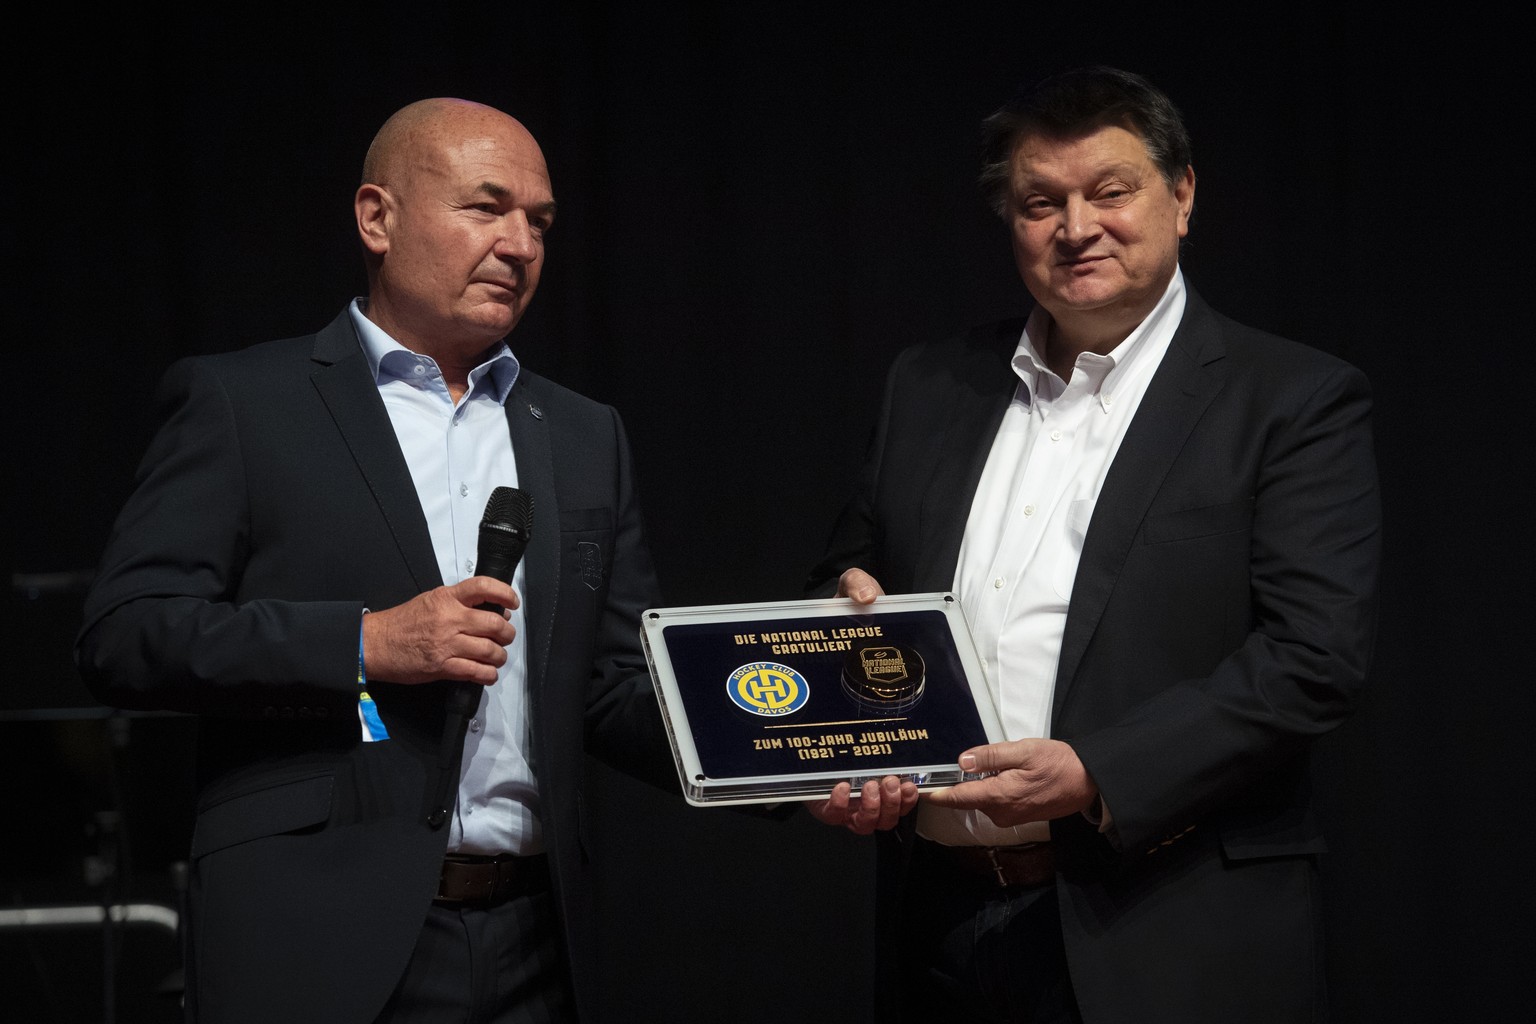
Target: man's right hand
441	634
877	807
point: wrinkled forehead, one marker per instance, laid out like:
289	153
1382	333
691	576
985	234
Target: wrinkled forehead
1104	148
507	167
514	152
1118	138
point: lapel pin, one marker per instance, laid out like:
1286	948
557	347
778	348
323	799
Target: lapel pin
538	413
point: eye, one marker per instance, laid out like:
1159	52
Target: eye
1035	207
1114	195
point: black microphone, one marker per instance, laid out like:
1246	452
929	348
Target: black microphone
504	530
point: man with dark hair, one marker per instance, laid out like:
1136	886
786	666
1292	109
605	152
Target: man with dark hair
1163	527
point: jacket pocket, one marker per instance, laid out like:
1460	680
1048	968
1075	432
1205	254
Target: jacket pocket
287	807
586	542
1291	835
1191	523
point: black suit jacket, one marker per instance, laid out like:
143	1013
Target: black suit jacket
1221	616
273	506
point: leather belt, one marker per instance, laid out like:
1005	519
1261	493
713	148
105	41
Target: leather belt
474	881
1027	864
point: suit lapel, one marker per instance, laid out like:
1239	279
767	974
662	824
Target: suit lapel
349	392
531	445
1177	396
965	422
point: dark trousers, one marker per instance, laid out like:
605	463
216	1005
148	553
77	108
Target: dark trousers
503	964
967	949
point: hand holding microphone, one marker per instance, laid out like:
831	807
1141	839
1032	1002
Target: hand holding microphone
433	636
504	530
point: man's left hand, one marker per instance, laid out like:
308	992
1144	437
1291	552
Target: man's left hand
1034	780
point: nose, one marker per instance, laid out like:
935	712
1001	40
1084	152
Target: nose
518	241
1079	221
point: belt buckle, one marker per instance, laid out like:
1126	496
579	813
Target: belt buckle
473	880
997	867
482	885
499	878
1020	865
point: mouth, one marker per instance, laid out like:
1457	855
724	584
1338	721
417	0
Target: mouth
1080	264
512	288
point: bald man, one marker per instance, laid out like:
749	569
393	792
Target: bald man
390	744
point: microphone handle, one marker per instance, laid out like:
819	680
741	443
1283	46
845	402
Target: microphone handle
465	697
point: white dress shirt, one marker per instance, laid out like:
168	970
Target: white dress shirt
1028	519
458	453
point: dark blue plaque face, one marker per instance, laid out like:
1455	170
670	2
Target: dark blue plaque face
827	697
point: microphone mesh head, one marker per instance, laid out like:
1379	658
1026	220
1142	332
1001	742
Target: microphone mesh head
509	509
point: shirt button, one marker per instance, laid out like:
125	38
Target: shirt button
469	566
998	583
419	370
474	725
463	490
1029	510
1055	435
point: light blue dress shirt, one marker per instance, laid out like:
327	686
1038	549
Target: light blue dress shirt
458	453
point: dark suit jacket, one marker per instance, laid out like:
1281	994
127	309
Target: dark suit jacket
1221	617
274	505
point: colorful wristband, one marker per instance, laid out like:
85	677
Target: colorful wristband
367	711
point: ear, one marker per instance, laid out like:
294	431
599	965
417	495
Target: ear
373	207
1184	194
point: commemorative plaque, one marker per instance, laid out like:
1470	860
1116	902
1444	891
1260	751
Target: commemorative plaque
783	700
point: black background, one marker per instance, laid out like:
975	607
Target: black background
760	204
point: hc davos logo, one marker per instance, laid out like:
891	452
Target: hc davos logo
766	688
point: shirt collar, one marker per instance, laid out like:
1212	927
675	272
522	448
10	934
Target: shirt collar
389	360
1101	370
